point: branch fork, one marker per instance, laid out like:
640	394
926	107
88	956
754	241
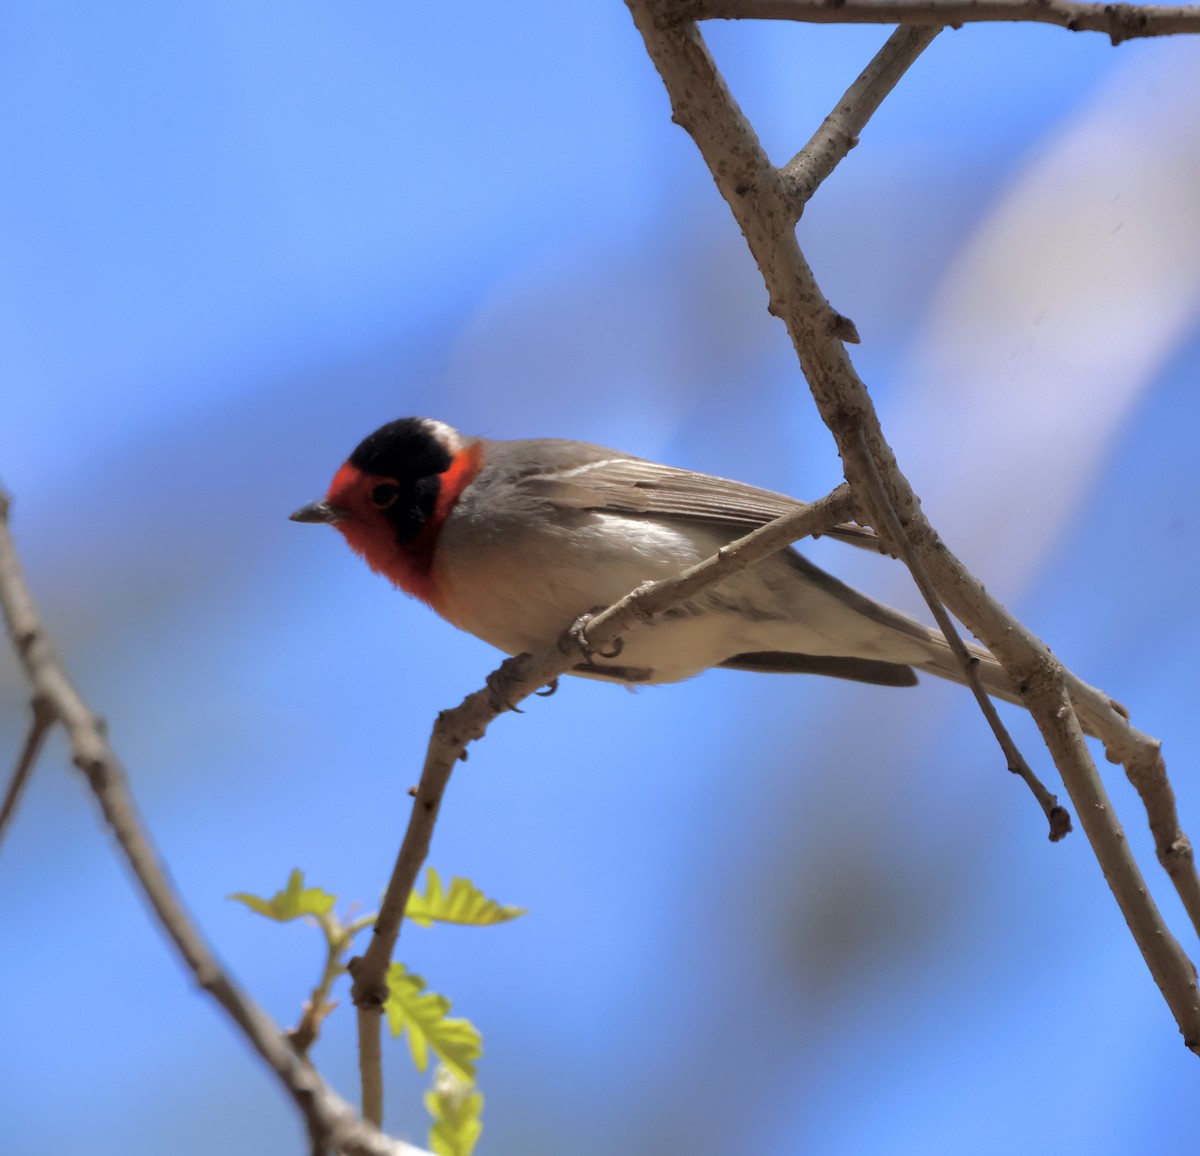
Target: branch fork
702	104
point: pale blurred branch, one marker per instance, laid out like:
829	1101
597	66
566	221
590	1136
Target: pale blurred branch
514	681
331	1122
760	198
1117	21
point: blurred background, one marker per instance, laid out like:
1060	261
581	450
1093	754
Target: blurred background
767	915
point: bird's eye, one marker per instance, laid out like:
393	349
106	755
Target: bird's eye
383	496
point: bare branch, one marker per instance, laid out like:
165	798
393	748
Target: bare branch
1099	715
1147	771
701	103
331	1122
515	680
1141	756
840	130
1050	704
1117	21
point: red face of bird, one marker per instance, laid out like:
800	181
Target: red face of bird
392	494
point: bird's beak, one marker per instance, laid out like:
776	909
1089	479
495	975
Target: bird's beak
317	512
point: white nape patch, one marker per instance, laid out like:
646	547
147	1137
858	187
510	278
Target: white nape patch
446	435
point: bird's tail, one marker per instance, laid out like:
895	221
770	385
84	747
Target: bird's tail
939	658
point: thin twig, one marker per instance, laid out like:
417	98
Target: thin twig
1057	816
701	103
331	1122
1140	754
1018	648
1118	21
39	725
840	130
515	680
319	1005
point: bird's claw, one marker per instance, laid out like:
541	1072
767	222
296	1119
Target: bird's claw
498	686
548	689
578	635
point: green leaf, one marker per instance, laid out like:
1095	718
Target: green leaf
455	1042
292	902
464	903
455	1107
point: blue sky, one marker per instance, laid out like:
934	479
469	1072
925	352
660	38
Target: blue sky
770	915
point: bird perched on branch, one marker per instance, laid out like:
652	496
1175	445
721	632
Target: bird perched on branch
515	540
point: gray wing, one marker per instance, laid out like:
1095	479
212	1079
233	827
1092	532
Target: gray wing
586	477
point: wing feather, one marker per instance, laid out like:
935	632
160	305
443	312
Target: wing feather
623	485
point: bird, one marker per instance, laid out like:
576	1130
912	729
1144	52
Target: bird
514	541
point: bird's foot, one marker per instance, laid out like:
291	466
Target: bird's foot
578	636
499	686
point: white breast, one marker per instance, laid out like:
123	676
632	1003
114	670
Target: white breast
519	581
